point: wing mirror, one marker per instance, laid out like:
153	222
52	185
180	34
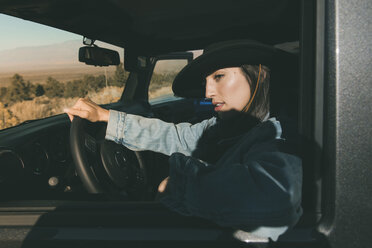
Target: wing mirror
97	56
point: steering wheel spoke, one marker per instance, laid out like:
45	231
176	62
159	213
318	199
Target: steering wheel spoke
90	143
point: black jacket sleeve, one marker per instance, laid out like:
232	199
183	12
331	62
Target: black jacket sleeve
262	189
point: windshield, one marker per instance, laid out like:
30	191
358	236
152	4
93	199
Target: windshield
40	73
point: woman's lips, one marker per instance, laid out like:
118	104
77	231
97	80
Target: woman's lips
218	107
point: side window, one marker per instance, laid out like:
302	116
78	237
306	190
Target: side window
162	78
40	74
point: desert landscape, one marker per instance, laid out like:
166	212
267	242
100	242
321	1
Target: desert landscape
38	82
63	74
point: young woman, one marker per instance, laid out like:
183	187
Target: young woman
234	169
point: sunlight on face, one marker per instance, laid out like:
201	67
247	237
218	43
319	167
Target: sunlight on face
228	88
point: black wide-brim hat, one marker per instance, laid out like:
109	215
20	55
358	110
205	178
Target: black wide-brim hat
189	81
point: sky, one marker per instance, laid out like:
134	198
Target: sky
15	32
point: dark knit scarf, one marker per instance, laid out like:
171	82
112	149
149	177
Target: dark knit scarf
217	139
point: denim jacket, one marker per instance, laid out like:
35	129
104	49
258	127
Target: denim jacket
253	186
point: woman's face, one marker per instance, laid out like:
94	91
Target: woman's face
228	88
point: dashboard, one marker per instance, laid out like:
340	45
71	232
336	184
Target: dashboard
36	161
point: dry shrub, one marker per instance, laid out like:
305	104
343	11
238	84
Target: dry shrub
7	119
160	92
106	95
41	107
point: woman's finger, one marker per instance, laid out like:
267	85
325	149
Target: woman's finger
163	185
77	112
70	116
91	104
86	109
86	104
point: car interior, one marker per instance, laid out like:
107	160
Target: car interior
71	175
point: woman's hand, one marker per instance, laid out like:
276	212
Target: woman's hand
163	185
87	109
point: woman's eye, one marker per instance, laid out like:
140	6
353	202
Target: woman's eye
218	76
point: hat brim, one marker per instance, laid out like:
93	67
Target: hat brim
189	81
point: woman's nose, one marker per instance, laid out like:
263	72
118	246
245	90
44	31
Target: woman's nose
209	89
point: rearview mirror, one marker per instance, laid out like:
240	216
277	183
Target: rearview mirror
93	55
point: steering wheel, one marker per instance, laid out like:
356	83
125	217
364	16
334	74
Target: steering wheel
104	166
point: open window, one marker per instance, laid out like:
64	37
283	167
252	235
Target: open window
162	78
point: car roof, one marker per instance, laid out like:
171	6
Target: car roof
162	26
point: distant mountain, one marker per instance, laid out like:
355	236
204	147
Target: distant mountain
45	57
61	56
